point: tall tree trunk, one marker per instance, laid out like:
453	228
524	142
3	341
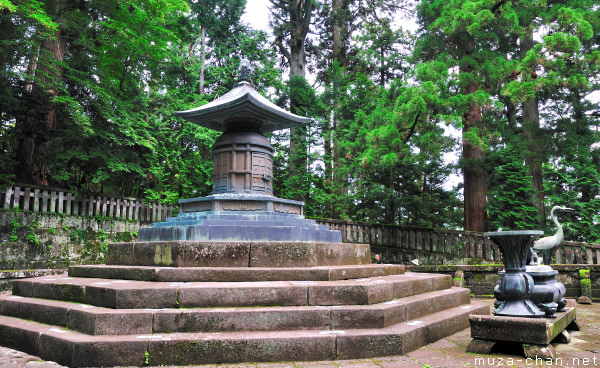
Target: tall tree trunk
300	14
298	159
382	68
340	177
475	184
532	136
327	155
31	66
39	123
202	59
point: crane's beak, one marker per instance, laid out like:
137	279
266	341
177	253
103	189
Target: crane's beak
567	209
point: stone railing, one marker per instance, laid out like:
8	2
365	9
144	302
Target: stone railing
52	200
412	241
578	253
401	243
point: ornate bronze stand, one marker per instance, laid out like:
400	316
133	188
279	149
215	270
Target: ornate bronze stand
517	318
516	285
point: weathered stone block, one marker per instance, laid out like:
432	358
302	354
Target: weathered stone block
120	254
539	331
204	254
113	351
140	273
242	319
308	254
344	293
58	291
381	316
53	347
365	271
19	334
284	254
263	346
423	305
131	296
94	321
451	322
343	254
48	312
368	343
241	295
420	283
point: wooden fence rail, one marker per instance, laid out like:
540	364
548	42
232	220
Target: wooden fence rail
450	242
61	201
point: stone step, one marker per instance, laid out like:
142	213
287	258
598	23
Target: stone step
367	343
106	321
73	348
125	294
232	274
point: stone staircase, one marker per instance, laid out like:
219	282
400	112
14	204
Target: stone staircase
116	315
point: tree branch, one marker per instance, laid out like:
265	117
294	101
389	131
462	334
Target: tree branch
411	131
498	5
283	50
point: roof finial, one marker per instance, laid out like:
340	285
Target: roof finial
245	70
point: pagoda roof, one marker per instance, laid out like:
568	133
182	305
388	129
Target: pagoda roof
242	103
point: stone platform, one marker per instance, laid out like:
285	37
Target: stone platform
252	218
534	334
122	316
237	254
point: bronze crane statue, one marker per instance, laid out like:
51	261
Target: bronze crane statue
549	244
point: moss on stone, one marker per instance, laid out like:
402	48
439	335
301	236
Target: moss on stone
474	261
585	283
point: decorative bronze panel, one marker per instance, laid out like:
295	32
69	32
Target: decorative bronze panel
196	207
243	206
287	208
221	172
262	172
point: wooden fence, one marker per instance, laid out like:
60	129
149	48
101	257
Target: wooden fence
449	242
62	201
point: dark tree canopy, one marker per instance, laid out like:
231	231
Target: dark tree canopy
502	95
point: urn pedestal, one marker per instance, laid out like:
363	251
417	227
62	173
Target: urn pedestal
548	293
516	286
517	317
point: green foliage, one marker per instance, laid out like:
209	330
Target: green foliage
127	67
584	274
575	182
510	196
302	185
14	228
377	145
32	236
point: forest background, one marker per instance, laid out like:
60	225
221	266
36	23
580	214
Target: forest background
88	89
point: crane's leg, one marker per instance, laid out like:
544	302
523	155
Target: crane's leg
532	258
547	257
